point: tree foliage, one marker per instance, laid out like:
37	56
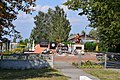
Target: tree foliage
41	30
93	33
83	32
104	15
90	46
8	12
25	41
52	26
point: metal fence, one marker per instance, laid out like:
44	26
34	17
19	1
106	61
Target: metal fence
109	60
30	56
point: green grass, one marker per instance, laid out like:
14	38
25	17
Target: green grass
44	78
31	74
104	74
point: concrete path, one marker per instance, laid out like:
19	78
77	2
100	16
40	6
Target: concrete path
72	72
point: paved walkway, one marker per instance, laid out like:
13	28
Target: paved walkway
72	72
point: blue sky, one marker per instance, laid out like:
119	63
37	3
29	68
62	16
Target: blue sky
25	22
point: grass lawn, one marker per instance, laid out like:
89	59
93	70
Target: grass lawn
31	74
104	74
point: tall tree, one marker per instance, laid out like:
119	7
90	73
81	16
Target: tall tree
104	15
60	27
83	32
41	30
93	33
8	12
52	26
16	36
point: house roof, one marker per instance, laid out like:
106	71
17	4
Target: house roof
81	36
72	37
83	39
87	37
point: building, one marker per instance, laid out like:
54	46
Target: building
82	39
43	45
78	46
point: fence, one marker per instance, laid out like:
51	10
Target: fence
25	61
109	60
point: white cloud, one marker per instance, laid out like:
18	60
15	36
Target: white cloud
41	8
77	19
23	18
24	24
74	20
46	7
65	8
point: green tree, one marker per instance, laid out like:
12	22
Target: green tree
93	33
90	46
71	34
16	36
52	26
26	41
41	31
83	32
60	27
8	12
21	42
104	15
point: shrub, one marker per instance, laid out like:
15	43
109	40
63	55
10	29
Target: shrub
90	46
17	50
75	64
7	52
88	64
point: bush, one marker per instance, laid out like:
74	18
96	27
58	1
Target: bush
7	52
90	46
75	64
17	50
88	64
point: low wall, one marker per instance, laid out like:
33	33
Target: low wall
23	64
26	62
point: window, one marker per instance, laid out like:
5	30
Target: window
79	48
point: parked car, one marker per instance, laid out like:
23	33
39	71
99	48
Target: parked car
100	56
113	56
47	51
62	49
75	52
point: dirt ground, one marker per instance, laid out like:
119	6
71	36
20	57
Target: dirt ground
74	58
